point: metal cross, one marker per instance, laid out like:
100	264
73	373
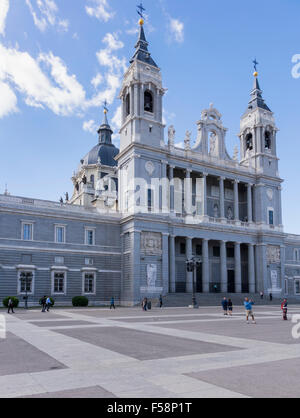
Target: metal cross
141	10
255	64
105	105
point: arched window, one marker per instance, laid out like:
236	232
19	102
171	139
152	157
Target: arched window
267	140
249	142
148	101
127	104
92	180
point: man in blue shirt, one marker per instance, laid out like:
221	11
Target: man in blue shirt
249	312
225	305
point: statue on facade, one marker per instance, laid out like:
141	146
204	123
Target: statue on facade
187	141
213	144
171	135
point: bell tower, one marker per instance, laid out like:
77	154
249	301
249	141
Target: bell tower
141	97
258	133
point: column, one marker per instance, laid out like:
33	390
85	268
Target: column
249	200
222	197
236	201
132	109
205	266
172	270
188	193
189	275
136	100
165	263
280	206
141	110
136	268
224	275
251	268
163	195
171	179
238	275
205	194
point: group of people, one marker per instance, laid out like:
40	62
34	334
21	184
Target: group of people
248	304
262	295
46	303
146	304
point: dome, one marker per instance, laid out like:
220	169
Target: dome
106	153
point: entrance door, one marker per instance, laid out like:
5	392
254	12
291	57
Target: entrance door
231	281
199	287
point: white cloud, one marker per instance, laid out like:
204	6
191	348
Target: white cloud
4	7
57	90
8	102
45	14
97	80
90	126
99	9
176	29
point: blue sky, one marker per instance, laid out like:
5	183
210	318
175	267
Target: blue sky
59	59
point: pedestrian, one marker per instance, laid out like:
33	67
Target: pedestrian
144	304
271	297
230	307
160	301
43	303
284	308
48	304
112	303
249	310
261	295
225	305
215	288
10	306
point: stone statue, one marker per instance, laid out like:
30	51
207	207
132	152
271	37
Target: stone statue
213	144
216	211
187	141
229	214
235	153
151	275
171	135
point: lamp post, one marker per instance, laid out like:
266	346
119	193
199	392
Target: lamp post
192	265
26	276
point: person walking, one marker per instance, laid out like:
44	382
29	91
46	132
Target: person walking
144	304
230	307
48	303
225	306
112	303
43	303
271	297
249	310
10	306
160	301
284	308
261	295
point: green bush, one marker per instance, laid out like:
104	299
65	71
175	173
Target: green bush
52	301
81	301
15	301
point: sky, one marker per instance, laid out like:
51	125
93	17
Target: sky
60	59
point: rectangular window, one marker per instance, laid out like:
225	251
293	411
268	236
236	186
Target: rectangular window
182	248
150	200
88	261
271	217
89	283
230	252
198	249
26	282
89	237
297	287
59	282
27	234
60	234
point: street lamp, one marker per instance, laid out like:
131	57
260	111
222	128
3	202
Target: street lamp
191	266
26	276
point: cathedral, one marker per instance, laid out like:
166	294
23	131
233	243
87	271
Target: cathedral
138	214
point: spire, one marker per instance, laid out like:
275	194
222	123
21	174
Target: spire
105	131
142	53
257	100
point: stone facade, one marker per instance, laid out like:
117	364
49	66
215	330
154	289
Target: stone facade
130	226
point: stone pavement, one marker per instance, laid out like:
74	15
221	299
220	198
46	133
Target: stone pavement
168	353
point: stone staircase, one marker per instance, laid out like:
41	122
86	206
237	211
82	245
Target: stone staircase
215	299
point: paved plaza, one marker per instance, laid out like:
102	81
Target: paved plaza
168	353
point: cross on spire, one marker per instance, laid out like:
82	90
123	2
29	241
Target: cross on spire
255	64
140	10
105	106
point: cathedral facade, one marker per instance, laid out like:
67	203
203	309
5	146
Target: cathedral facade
139	213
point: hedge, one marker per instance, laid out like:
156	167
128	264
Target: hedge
80	301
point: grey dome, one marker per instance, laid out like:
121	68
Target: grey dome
106	153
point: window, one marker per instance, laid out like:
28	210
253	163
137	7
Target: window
88	261
89	283
297	286
148	101
59	260
27	231
89	237
267	140
230	252
60	234
150	199
271	217
127	104
198	249
59	281
92	180
249	142
26	282
216	251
